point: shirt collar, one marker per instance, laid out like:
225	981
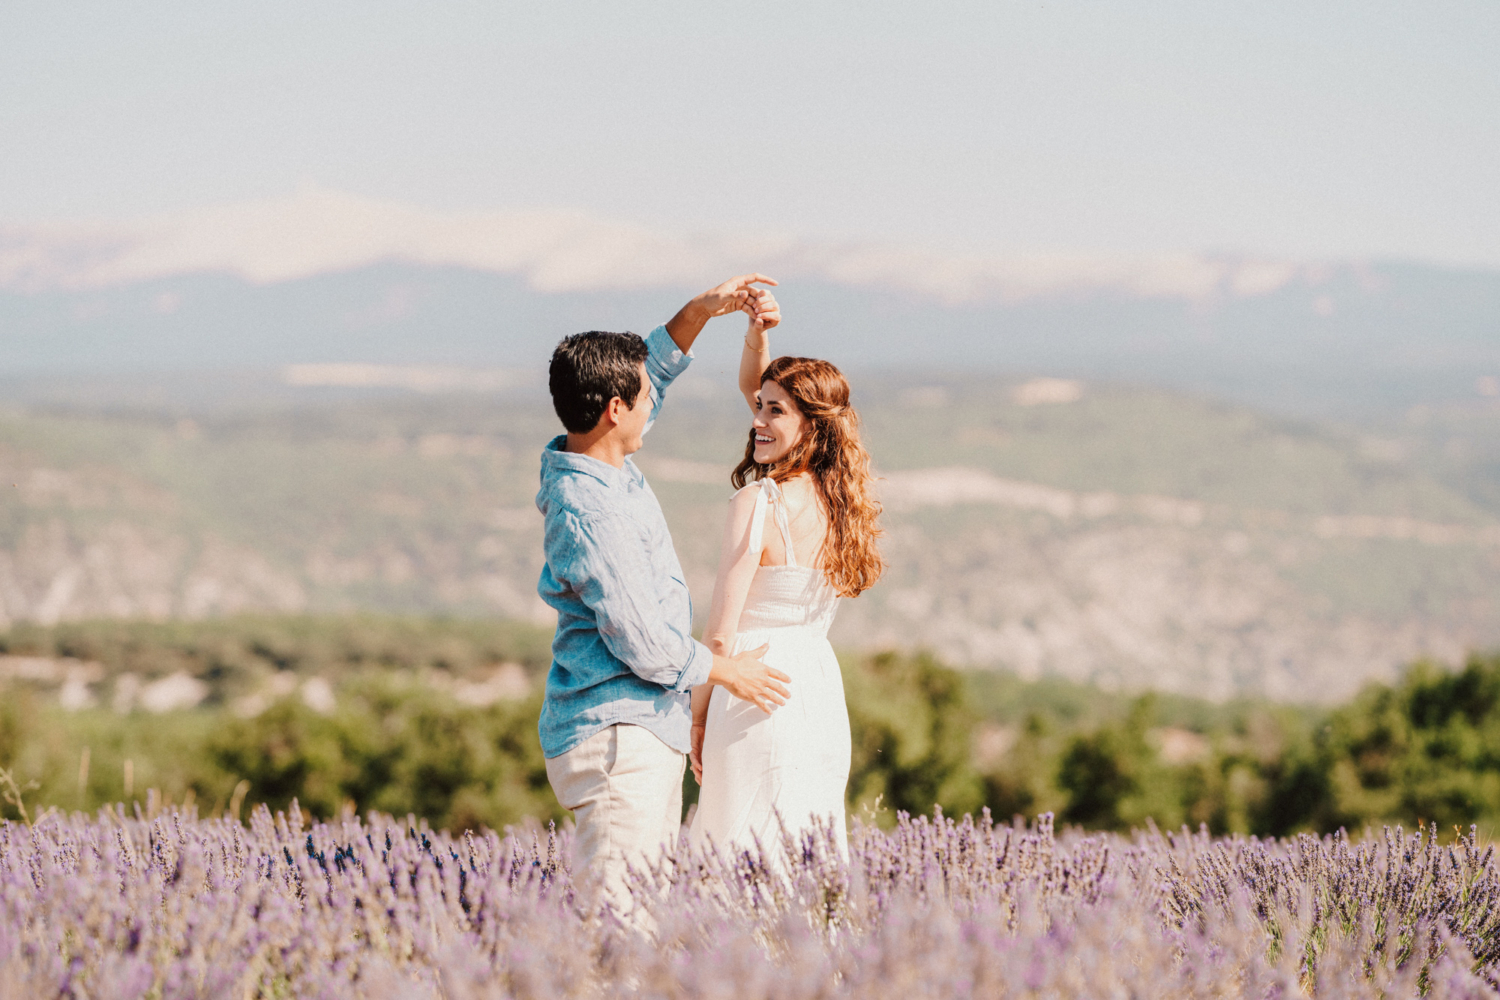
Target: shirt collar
556	459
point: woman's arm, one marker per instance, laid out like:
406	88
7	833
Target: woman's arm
756	357
701	694
737	562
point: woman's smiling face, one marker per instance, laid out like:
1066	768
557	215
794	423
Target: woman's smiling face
778	424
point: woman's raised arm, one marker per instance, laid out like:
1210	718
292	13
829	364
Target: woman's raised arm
765	313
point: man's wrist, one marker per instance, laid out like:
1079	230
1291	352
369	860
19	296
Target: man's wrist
687	324
696	313
697	309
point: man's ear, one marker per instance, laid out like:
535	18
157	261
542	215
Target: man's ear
613	410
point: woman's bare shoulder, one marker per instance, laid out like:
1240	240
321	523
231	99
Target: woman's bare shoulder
746	493
801	491
742	503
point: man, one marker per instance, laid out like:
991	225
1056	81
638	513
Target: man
616	719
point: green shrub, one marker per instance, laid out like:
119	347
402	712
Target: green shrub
912	730
394	747
1426	748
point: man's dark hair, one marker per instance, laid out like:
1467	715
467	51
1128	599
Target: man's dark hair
590	369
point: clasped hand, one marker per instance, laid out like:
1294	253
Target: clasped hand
740	295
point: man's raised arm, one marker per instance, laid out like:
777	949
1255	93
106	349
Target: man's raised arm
732	296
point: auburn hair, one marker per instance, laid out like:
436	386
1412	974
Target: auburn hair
830	451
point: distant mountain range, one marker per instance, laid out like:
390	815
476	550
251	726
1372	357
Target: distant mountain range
324	278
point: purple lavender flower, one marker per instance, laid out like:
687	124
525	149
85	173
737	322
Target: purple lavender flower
118	906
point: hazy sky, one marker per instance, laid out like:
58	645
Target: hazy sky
1306	128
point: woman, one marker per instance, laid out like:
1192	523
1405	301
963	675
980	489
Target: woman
801	533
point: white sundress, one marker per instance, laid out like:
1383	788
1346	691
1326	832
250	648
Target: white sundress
793	762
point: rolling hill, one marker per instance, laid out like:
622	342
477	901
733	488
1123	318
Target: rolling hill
1099	532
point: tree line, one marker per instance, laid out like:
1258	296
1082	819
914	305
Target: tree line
400	736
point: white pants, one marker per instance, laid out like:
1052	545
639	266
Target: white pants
624	786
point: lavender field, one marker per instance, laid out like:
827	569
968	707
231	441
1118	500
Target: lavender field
175	906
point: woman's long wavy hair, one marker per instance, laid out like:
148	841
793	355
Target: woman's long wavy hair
830	451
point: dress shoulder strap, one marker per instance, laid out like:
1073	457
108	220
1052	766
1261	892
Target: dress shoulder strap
770	494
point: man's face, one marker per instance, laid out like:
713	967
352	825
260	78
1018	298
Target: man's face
633	421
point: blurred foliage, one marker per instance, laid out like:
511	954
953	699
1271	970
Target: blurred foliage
1427	748
391	745
1424	749
230	653
400	740
397	748
912	733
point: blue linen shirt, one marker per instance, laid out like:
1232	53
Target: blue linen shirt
624	650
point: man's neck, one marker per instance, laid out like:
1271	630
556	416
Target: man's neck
604	447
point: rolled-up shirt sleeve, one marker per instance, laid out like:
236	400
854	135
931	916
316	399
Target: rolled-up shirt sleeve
664	362
604	563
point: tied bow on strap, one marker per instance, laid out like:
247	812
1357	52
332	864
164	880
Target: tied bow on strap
770	493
